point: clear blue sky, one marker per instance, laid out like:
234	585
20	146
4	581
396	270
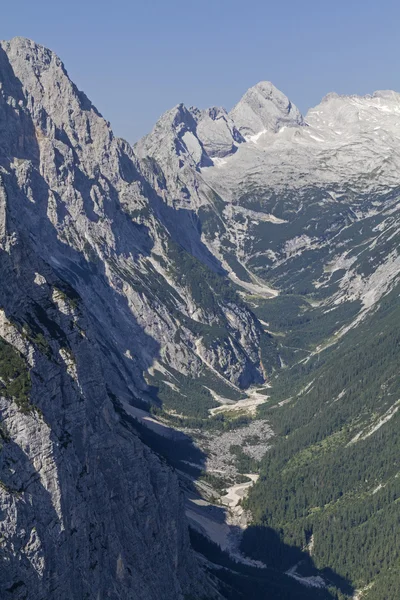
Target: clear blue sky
135	59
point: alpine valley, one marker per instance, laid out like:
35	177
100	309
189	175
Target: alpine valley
199	347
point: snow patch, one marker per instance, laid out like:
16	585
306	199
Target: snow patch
256	137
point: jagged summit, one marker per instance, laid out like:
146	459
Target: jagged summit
202	138
264	108
42	80
346	138
24	42
34	55
265	141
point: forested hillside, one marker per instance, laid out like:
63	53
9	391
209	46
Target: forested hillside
331	482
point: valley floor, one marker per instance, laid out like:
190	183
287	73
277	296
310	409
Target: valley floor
214	500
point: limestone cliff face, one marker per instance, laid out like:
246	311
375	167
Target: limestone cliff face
87	510
80	196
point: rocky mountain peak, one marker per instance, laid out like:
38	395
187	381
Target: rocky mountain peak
174	138
206	136
38	69
29	49
197	135
264	108
179	117
48	104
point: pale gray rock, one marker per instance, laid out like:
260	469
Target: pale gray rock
349	141
217	132
264	108
98	221
87	510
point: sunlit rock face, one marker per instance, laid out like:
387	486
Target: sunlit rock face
87	510
264	108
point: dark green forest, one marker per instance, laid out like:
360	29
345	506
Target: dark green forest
331	482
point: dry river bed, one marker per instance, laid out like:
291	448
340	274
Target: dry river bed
215	510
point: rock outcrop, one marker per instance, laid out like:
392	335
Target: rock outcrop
264	108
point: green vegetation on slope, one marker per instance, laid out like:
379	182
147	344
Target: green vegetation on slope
15	381
323	484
